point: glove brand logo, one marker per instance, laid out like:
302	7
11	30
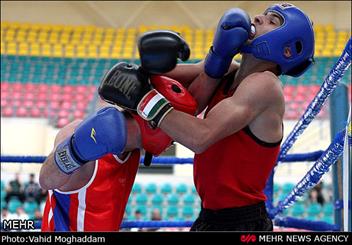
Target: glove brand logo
92	135
122	82
65	160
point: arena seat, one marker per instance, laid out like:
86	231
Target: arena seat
187	213
172	213
151	188
166	188
181	189
173	199
13	204
141	199
188	199
314	210
30	207
157	200
136	188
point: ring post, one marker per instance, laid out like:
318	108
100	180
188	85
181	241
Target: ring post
338	117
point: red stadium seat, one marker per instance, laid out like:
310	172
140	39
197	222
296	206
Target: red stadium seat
17	87
29	87
300	98
29	95
54	97
289	89
80	97
16	95
62	122
68	89
40	104
63	113
78	114
5	94
314	89
35	112
55	88
67	97
81	89
41	96
21	112
81	105
54	105
5	86
4	103
43	88
7	111
28	103
90	96
301	89
67	105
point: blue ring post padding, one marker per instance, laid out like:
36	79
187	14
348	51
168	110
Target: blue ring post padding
305	224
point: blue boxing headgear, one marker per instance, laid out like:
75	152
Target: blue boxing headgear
296	32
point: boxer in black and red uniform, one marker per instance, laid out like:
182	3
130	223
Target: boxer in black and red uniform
237	143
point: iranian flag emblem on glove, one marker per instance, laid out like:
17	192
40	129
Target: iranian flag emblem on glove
153	104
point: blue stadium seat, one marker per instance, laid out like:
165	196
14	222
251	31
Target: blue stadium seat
181	189
166	188
172	212
314	209
30	207
187	212
173	199
136	188
157	199
188	199
151	188
13	204
141	199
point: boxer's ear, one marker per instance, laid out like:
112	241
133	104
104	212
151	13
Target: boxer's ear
287	52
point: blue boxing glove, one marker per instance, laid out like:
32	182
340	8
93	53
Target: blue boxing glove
232	32
102	133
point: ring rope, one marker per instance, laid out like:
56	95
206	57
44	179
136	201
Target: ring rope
328	86
333	152
297	157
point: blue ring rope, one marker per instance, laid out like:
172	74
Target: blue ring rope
279	221
298	157
313	176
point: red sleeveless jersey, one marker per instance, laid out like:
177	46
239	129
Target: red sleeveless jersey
233	171
100	204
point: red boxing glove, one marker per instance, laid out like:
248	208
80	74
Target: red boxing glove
155	141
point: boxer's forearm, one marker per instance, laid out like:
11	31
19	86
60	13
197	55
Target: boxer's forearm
187	130
50	176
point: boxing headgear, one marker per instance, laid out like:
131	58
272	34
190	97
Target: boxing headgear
296	32
155	141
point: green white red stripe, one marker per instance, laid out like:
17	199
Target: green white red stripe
151	104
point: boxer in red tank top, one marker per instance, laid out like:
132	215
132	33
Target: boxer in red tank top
237	142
